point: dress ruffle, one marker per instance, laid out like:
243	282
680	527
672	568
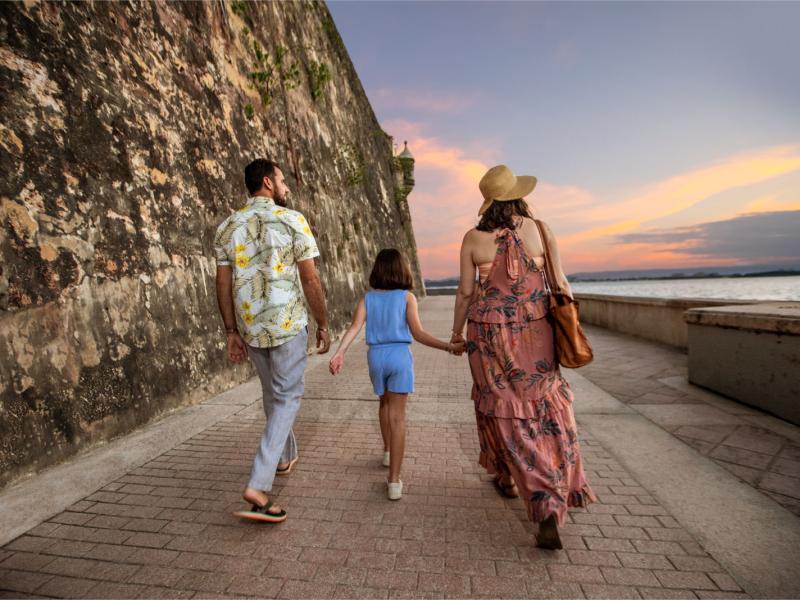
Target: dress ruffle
542	457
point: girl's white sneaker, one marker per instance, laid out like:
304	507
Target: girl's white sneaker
385	459
394	490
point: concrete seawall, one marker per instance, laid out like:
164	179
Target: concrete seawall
657	319
744	349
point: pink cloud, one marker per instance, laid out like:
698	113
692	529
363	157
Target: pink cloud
445	201
593	246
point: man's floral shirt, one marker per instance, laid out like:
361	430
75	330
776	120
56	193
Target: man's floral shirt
263	242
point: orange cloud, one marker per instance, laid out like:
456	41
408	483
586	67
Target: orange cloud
445	200
599	232
770	204
686	189
593	247
641	256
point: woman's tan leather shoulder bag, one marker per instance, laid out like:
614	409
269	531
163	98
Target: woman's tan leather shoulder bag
572	347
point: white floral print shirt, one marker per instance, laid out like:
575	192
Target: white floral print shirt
263	243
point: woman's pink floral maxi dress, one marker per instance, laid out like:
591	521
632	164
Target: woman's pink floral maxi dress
523	405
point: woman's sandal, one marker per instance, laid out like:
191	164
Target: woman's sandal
547	537
508	490
261	513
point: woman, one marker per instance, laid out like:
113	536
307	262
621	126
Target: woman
523	406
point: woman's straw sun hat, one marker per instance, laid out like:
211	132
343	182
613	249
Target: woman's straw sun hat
501	185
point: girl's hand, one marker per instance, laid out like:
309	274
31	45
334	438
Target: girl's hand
336	364
458	348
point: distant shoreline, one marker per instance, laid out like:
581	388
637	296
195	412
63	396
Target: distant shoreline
453	282
693	276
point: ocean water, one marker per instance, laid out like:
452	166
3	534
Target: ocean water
739	288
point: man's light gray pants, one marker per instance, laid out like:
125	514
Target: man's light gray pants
281	370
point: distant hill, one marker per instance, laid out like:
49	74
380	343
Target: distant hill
448	282
688	273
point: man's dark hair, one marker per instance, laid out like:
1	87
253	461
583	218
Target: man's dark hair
391	271
255	172
501	215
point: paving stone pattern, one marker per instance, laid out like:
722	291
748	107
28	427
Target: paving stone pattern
760	449
165	530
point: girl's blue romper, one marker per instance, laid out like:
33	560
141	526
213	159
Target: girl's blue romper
391	366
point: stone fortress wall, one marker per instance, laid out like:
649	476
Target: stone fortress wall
124	130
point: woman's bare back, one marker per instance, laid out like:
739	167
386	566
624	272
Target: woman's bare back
484	244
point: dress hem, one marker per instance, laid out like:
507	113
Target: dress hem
539	511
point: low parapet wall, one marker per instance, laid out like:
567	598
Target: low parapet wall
657	319
750	353
746	350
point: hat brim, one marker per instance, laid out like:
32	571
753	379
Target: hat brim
524	186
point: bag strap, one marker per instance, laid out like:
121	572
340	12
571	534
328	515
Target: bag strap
550	278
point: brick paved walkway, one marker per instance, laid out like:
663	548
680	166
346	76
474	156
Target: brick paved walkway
166	530
759	449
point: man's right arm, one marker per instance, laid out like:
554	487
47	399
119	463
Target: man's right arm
312	288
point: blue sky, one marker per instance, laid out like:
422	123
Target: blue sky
606	103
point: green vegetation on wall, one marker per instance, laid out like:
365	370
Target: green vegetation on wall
270	70
239	7
351	161
278	69
318	76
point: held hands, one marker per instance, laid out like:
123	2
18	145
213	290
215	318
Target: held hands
457	344
336	364
457	348
236	349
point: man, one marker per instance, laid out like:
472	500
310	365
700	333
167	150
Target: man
261	251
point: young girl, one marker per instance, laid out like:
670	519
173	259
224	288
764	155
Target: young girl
392	320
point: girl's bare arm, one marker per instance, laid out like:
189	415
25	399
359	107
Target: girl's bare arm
414	324
337	360
359	317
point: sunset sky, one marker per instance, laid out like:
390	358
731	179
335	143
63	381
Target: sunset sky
663	134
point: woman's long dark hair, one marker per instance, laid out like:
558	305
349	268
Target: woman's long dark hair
500	215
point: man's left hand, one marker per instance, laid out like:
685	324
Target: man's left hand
324	340
237	352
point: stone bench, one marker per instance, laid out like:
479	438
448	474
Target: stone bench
750	353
